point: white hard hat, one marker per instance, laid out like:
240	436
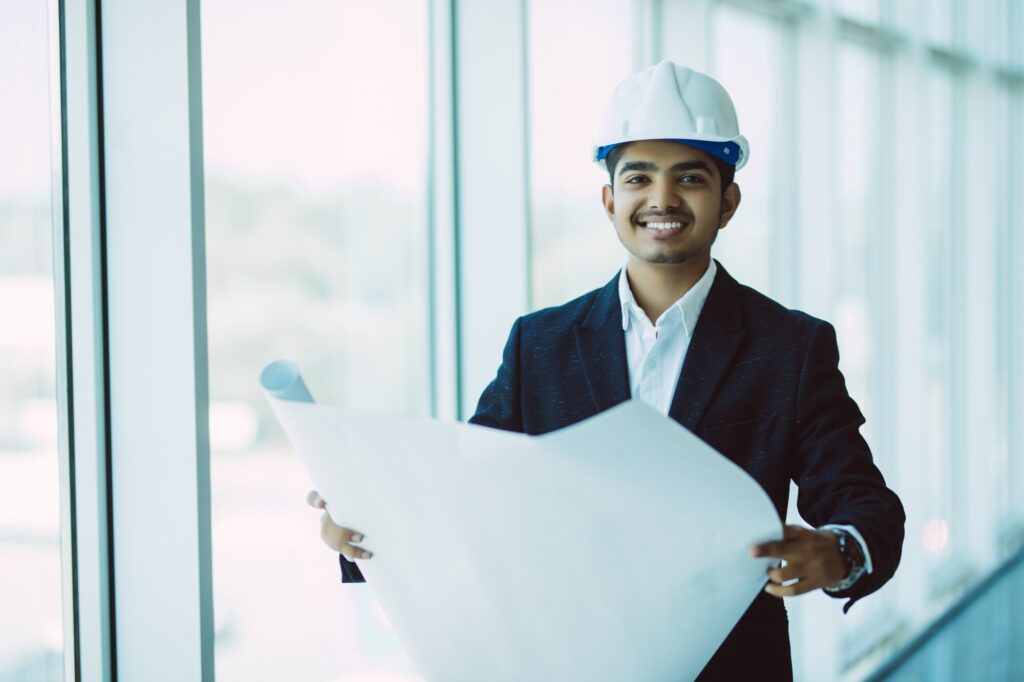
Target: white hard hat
671	102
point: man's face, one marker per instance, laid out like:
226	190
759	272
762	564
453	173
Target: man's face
667	205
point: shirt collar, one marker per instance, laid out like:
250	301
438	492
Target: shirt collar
689	306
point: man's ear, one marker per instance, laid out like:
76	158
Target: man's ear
608	199
730	202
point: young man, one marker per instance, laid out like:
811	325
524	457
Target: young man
758	382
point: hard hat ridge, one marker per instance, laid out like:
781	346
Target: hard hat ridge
663	99
671	102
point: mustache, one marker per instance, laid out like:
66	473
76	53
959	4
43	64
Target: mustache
680	216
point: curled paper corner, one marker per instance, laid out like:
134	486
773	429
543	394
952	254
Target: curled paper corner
281	379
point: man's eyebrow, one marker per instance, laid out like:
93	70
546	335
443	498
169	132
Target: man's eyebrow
649	166
691	165
637	166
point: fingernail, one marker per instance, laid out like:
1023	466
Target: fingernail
357	537
367	555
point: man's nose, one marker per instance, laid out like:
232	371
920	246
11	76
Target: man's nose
663	197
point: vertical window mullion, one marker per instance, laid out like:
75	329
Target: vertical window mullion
492	192
152	179
85	378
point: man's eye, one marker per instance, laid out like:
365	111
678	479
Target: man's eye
636	180
692	179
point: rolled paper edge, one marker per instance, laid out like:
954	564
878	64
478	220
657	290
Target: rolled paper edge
281	379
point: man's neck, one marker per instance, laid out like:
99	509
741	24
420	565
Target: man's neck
656	286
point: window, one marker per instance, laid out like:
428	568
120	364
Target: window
941	280
862	10
578	52
753	241
856	226
31	628
317	252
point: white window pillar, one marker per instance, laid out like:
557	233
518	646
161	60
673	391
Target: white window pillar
491	170
152	213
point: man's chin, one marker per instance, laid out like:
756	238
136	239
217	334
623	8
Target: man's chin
672	256
667	258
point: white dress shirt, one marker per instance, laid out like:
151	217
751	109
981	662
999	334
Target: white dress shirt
655	352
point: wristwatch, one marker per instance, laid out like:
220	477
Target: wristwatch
853	559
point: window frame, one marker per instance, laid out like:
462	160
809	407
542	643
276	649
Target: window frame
81	342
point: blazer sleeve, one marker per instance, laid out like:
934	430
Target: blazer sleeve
499	406
350	572
837	478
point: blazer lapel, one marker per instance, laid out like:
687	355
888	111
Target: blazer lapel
713	347
601	346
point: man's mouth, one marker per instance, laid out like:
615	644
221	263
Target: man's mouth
663	226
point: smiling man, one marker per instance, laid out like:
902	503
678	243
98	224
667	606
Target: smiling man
758	382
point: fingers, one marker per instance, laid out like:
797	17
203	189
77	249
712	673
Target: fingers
789	581
786	573
797	588
812	562
778	549
792	540
342	540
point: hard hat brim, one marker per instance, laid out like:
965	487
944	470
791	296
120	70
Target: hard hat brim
728	151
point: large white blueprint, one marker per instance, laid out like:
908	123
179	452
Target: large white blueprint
613	549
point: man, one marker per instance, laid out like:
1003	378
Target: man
758	382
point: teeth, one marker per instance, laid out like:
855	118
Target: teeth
664	226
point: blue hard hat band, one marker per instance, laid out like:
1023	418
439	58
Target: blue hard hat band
728	152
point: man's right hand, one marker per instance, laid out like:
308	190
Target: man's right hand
337	538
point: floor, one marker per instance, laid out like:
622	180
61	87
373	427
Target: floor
982	641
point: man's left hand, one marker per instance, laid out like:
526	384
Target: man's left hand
812	560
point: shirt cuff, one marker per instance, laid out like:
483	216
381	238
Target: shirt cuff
860	542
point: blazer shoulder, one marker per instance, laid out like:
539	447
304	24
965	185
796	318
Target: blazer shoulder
766	315
562	318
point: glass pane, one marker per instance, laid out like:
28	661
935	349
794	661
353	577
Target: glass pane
856	196
748	245
939	22
1014	108
861	10
31	629
1001	276
857	299
937	353
982	27
1016	30
981	427
573	244
315	116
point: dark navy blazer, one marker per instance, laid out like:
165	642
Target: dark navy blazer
760	384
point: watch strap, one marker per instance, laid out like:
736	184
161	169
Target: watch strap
849	550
